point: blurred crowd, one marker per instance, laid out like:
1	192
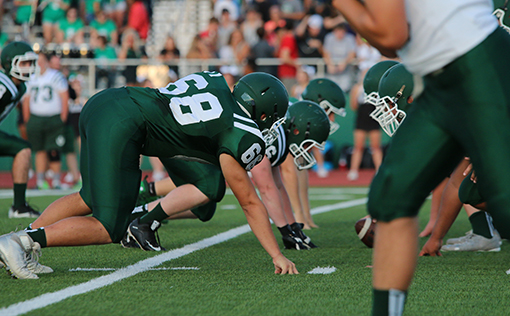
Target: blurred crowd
238	33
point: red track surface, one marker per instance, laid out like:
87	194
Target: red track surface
334	179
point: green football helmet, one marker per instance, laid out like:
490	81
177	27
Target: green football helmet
501	8
306	126
372	78
329	96
264	98
395	88
15	53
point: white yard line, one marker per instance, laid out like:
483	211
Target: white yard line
144	265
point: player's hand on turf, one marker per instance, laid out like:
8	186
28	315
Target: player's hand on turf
432	247
283	265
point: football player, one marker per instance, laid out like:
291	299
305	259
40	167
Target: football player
463	108
460	190
306	127
19	63
195	118
331	98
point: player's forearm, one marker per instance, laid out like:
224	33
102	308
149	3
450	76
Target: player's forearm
258	220
382	22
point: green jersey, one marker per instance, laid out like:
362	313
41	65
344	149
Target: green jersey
70	29
197	118
10	94
104	29
277	151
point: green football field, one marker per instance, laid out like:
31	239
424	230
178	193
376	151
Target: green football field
219	268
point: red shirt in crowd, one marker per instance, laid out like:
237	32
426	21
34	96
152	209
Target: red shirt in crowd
138	19
285	70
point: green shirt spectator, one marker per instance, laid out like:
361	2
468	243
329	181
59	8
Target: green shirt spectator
107	52
71	28
55	11
91	8
23	11
3	40
102	26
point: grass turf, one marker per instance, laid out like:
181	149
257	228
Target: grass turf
236	277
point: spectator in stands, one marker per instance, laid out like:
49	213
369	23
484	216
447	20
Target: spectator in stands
4	38
23	11
45	110
262	49
275	22
231	6
104	52
210	35
71	28
90	7
250	25
331	16
234	54
54	11
293	11
198	50
287	53
138	18
339	53
170	54
264	6
131	48
303	79
115	11
102	26
366	55
310	36
226	27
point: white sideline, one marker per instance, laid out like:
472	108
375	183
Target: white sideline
144	265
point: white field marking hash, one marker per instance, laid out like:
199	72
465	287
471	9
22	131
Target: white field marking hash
330	197
228	207
115	269
144	265
325	270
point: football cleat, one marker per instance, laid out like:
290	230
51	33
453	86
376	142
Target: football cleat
32	254
13	257
474	242
129	242
145	235
290	240
24	211
293	242
144	195
459	240
298	231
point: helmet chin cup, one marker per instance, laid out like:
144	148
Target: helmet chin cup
270	135
303	159
388	115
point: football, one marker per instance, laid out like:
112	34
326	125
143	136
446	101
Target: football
365	228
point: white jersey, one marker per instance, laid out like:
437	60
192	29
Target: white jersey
44	91
441	31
